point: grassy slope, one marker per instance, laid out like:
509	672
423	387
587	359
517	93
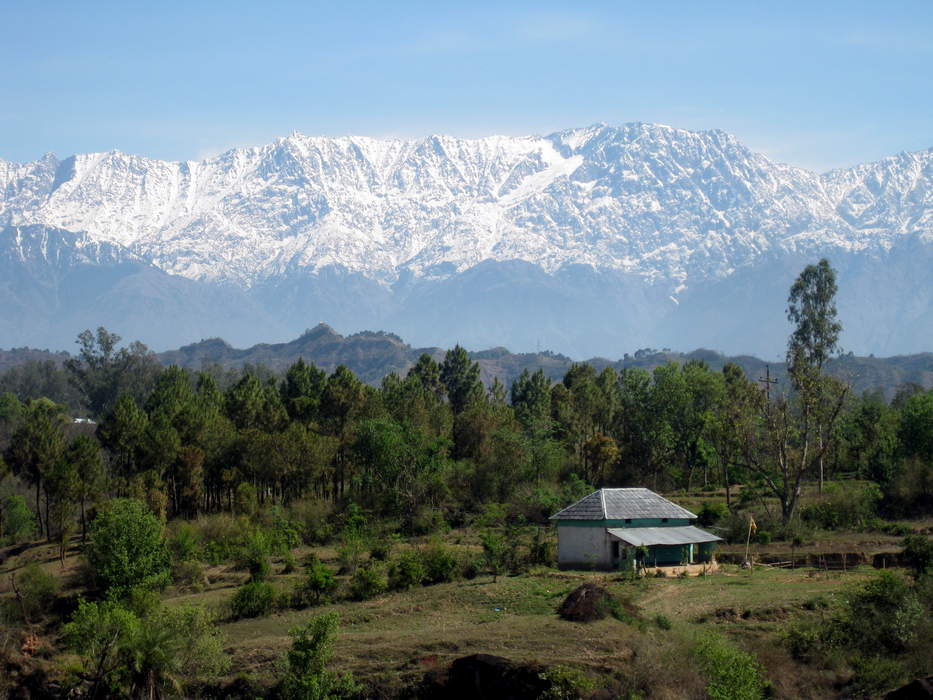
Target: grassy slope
395	638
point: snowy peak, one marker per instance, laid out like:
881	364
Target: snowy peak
668	205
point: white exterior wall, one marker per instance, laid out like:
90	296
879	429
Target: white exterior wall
583	546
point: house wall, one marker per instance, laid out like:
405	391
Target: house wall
583	546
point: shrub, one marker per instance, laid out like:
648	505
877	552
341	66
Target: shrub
566	683
306	676
37	590
407	571
254	557
541	549
918	553
470	566
764	537
127	549
844	506
350	553
381	549
318	584
876	674
189	574
368	582
440	564
252	599
495	552
662	621
881	617
281	534
731	674
425	521
19	522
184	544
288	562
712	513
314	520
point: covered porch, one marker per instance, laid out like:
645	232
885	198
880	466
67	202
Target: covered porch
665	548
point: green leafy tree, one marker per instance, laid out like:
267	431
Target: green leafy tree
302	389
344	397
460	377
123	434
100	633
307	676
795	433
84	454
127	548
811	307
37	447
102	372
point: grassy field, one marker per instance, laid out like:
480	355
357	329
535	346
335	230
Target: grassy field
392	640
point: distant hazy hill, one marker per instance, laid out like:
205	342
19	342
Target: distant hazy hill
373	354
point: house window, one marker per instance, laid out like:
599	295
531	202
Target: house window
615	550
663	520
628	521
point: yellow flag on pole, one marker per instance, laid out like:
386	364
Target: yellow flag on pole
753	526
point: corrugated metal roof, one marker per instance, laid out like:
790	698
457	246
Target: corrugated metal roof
650	536
619	504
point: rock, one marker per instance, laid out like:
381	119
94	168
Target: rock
485	676
915	690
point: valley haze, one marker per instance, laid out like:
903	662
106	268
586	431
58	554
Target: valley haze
589	241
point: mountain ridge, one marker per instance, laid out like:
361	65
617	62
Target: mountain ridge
664	223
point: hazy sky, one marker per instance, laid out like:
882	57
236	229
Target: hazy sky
816	84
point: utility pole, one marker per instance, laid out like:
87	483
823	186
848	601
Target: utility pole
767	381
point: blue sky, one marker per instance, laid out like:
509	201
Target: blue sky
816	84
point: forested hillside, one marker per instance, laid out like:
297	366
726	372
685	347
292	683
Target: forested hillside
373	355
425	478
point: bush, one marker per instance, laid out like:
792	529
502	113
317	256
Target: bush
440	564
566	683
281	533
126	548
350	553
662	621
407	571
19	522
381	549
318	584
314	520
37	591
764	537
731	674
184	543
541	549
252	599
306	676
881	617
254	557
712	513
425	521
368	582
918	554
189	574
875	674
844	506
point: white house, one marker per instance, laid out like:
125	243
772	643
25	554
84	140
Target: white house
629	529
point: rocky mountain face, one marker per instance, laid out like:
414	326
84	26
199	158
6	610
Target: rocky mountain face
588	241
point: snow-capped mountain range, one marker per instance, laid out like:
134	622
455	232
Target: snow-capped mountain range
592	240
